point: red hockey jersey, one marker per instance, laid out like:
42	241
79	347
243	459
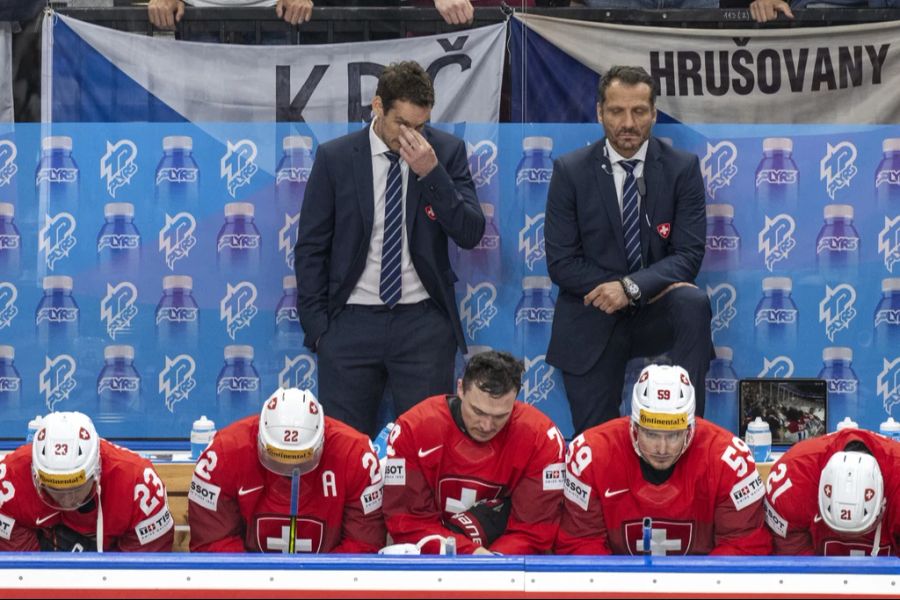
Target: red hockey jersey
433	470
136	515
792	498
711	504
237	505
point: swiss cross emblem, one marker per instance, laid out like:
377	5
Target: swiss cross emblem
457	494
273	534
827	490
430	212
664	229
666	538
870	493
83	434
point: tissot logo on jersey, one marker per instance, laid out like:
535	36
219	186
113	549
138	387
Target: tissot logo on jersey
57	380
118	308
395	471
554	477
483	162
176	238
8	310
57	238
237	165
118	165
371	498
205	494
238	307
154	527
836	308
719	166
6	526
576	491
837	167
775	521
531	240
8	166
747	491
776	239
477	310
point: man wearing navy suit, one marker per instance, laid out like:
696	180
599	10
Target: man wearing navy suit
373	273
625	233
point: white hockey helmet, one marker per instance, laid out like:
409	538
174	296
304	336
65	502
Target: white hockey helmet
291	432
663	399
65	460
851	492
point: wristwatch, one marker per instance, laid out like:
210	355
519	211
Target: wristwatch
631	290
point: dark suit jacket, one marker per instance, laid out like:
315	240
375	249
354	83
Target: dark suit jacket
585	244
336	226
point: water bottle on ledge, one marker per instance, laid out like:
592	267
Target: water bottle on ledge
33	426
759	438
847	423
201	435
890	428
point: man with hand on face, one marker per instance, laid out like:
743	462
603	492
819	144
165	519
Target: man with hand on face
479	466
625	234
680	485
375	287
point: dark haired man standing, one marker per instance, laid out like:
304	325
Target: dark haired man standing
373	274
625	234
478	466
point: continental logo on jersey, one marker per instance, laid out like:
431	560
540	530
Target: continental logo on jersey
289	456
776	522
205	494
554	477
654	420
62	482
6	527
154	527
577	492
372	498
395	471
748	490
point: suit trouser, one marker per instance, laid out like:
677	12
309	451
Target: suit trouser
677	323
409	350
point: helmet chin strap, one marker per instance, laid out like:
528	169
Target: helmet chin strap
877	539
99	519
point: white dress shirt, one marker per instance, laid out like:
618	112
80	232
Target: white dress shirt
619	173
369	285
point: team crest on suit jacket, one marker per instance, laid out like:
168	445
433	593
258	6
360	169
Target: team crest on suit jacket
430	212
664	229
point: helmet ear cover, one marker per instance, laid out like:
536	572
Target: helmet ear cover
291	432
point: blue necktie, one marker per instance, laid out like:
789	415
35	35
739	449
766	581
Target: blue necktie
392	247
631	222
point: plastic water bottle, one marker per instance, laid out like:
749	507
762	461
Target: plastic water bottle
776	314
890	428
759	438
10	383
178	176
777	177
847	423
887	177
722	390
237	386
843	384
291	176
238	242
57	177
287	322
837	247
57	314
887	316
482	263
532	183
119	385
10	242
202	433
177	314
34	425
119	241
381	441
723	243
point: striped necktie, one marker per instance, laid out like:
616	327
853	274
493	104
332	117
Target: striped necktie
631	223
392	246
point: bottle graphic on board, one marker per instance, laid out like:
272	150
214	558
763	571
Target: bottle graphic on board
777	177
57	314
119	241
887	317
887	177
237	386
722	390
532	183
776	314
291	176
57	178
177	314
723	243
178	176
238	242
288	332
482	263
118	386
10	243
837	246
843	384
10	383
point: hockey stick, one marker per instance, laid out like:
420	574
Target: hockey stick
295	502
